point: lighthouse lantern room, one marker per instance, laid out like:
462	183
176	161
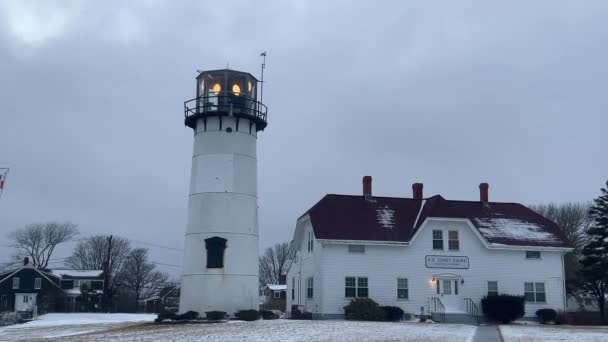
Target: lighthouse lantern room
221	242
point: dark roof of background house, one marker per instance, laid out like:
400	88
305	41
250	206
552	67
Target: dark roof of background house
346	217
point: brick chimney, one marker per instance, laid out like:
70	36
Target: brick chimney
367	186
417	191
26	261
483	192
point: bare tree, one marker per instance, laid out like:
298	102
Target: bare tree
92	252
38	240
274	263
573	219
140	275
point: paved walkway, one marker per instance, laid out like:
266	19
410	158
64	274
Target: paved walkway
487	333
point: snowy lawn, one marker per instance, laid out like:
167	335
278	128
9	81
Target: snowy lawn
286	331
65	324
529	333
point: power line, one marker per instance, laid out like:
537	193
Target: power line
160	263
156	245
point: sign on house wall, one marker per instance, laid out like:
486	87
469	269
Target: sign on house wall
446	261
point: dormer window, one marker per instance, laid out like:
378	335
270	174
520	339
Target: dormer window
16	282
453	242
215	251
310	245
438	239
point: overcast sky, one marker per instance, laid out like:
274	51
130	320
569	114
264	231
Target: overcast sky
450	94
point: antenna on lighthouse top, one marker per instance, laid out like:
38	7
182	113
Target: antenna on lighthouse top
263	55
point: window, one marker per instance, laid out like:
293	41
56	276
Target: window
588	301
362	290
356	287
492	288
261	293
356	248
447	287
215	252
26	299
310	241
309	288
438	239
456	287
402	289
15	283
350	289
293	288
453	243
37	283
276	294
535	292
532	255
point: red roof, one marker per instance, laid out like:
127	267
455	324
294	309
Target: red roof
344	217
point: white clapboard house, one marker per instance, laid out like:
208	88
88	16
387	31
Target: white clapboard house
429	255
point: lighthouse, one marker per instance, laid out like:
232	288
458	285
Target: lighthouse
221	242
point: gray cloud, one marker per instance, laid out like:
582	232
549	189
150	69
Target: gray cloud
447	94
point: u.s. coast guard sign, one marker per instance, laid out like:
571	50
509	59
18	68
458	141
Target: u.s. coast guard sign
446	261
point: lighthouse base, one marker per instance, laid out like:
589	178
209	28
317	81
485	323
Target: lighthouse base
219	292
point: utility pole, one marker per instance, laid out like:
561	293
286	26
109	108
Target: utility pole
106	275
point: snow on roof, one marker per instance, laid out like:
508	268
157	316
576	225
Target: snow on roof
512	228
277	287
385	217
77	273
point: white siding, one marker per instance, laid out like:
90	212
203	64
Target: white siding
384	264
308	264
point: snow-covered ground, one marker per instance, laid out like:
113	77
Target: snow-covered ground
551	333
273	330
66	324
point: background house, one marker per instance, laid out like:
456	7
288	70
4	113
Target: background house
273	297
83	289
28	290
166	298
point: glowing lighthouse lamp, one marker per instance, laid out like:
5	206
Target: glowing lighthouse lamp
221	242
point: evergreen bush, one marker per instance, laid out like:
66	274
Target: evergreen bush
364	309
188	315
215	315
392	313
267	314
546	315
503	308
247	315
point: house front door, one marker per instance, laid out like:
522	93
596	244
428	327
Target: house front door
448	290
25	301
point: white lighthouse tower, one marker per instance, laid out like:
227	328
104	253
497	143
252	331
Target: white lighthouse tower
221	244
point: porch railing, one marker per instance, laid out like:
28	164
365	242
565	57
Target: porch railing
437	308
472	309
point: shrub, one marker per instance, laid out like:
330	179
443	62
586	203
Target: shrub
392	313
306	315
188	315
164	314
546	315
247	315
364	309
503	308
9	318
295	313
215	315
267	314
